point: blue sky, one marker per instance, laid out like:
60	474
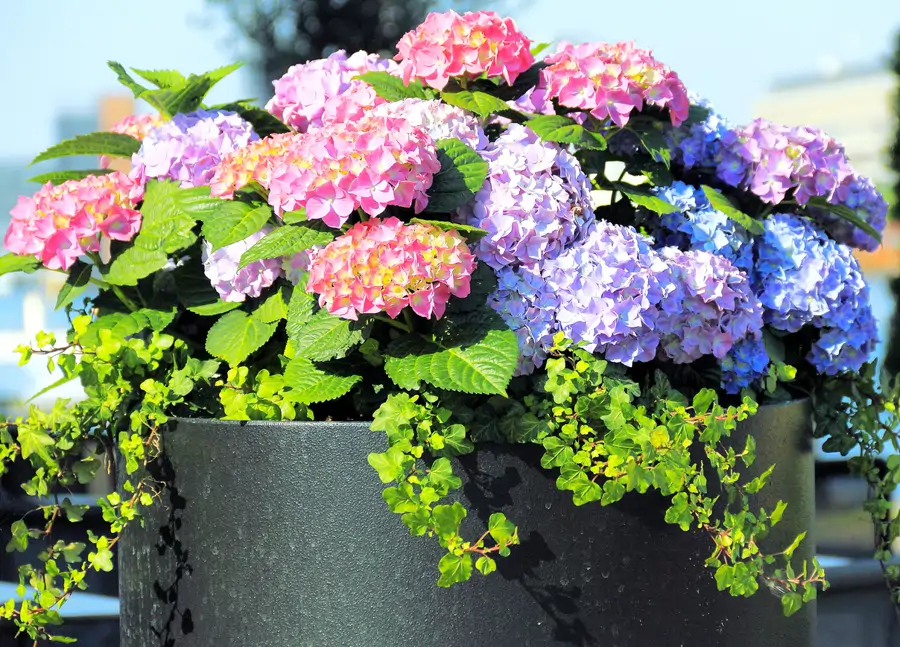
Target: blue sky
53	52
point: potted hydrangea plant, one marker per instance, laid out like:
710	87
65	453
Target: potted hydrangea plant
593	326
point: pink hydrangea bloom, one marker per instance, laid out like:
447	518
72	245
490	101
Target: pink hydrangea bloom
138	126
451	45
323	91
233	284
334	170
249	164
386	265
608	81
60	223
440	120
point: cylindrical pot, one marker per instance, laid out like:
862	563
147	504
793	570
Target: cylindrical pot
275	534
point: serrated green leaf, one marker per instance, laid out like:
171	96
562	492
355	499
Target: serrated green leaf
234	221
237	335
126	79
216	308
310	384
161	78
473	353
454	569
720	202
65	379
134	264
326	337
300	311
287	240
848	214
470	233
15	263
564	130
462	174
272	309
165	225
76	282
483	105
58	177
392	88
112	144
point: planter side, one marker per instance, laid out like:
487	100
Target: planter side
274	534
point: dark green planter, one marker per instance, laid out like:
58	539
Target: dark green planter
276	535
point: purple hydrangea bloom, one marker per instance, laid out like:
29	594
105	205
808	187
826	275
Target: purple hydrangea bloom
232	284
840	350
698	226
189	146
860	195
534	203
709	305
745	364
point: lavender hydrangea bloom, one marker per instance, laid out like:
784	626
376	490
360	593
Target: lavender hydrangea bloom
438	119
698	226
860	195
189	146
745	364
708	307
534	202
232	284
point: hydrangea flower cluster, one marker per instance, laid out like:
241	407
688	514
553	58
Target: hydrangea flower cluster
440	120
251	163
699	226
709	306
698	144
321	92
233	284
608	81
138	126
535	201
386	265
335	170
772	160
448	45
804	277
60	223
188	148
744	364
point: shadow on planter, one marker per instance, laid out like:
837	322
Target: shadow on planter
275	534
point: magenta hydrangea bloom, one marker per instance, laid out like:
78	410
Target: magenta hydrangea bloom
709	305
233	284
321	92
448	45
188	148
60	223
534	202
440	120
608	81
386	265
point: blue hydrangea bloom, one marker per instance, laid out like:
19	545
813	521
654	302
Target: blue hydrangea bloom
744	364
697	144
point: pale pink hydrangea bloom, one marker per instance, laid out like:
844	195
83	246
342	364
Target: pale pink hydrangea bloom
449	45
386	265
334	170
608	81
321	92
60	223
440	120
138	126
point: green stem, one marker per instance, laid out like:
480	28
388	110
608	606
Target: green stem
363	216
391	322
408	317
124	299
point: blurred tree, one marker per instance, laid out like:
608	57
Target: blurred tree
285	32
892	357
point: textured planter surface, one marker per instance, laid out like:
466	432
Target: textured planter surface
275	534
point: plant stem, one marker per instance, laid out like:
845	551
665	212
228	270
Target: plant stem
408	317
391	322
363	216
124	299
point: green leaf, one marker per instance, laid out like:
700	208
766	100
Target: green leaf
483	105
14	263
557	452
775	517
502	530
703	401
473	353
564	130
310	384
470	233
123	325
35	441
125	79
441	476
234	221
455	442
789	551
390	465
327	337
454	569
399	499
161	78
656	145
287	240
263	122
540	47
300	311
58	177
237	335
646	200
220	73
272	309
720	202
76	282
462	174
134	264
485	565
298	216
791	603
392	88
65	379
848	214
755	485
165	224
112	144
447	518
216	308
101	560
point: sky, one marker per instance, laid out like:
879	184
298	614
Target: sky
53	53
